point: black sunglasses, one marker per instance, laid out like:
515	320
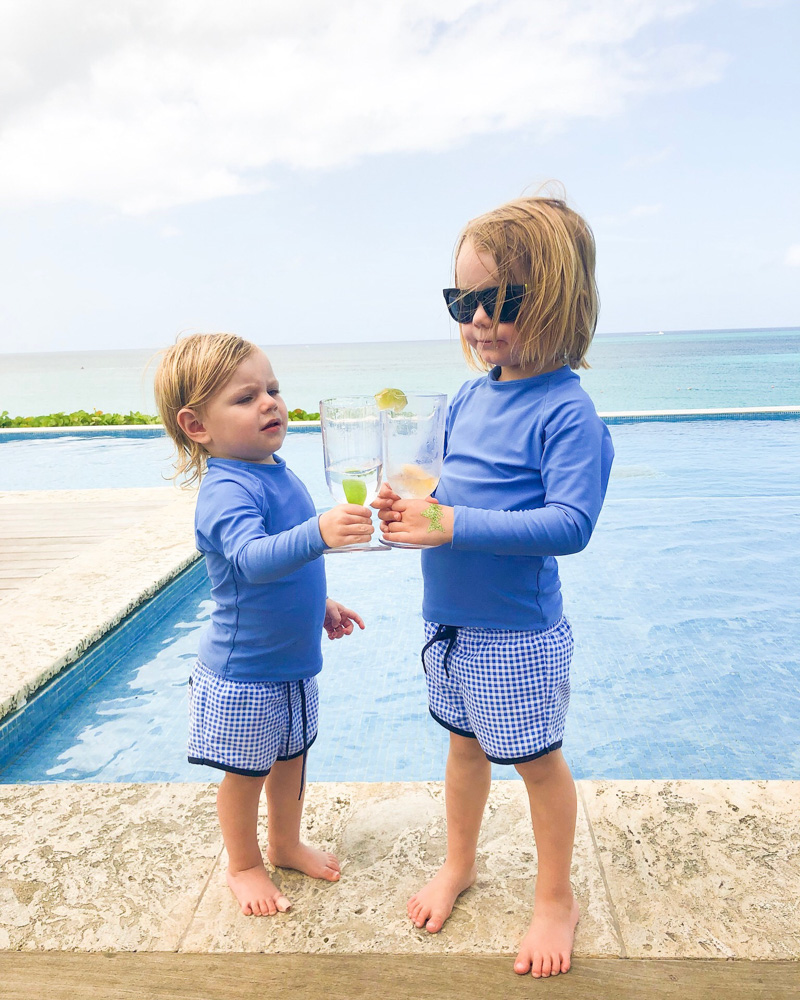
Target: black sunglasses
462	303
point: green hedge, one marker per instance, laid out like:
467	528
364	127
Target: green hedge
81	418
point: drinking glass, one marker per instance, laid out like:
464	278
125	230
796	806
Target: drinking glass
351	445
413	449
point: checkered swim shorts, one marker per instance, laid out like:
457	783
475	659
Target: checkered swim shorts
507	688
245	726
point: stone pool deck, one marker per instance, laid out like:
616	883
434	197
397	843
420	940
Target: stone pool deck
662	870
667	872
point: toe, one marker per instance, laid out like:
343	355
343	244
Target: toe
536	965
435	924
522	965
422	915
282	903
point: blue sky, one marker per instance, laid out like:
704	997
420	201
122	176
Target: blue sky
299	174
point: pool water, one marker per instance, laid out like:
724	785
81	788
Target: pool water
684	610
663	458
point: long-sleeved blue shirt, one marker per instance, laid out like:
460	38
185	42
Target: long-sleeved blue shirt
526	468
257	527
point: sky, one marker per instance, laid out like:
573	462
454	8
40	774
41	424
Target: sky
299	173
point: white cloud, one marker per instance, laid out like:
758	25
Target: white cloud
144	104
792	258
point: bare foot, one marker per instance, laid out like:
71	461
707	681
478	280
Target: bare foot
308	860
547	947
433	904
257	894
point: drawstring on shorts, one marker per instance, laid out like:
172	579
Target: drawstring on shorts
304	717
305	736
449	632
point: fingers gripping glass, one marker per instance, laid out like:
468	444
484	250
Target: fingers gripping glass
462	303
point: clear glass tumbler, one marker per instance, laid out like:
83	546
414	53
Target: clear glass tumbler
413	448
351	445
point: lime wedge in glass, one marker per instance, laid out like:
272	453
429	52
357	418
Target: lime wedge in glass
355	490
391	399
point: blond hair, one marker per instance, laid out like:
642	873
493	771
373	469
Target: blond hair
542	243
189	374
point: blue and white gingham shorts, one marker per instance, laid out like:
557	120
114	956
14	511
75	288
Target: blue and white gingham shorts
507	688
245	726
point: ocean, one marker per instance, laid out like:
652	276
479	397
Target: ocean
647	371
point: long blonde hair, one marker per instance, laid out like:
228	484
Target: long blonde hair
542	243
189	374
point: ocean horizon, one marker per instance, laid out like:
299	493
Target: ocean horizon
629	371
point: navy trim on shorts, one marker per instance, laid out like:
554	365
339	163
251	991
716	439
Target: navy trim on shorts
227	767
496	760
452	729
244	771
524	760
300	752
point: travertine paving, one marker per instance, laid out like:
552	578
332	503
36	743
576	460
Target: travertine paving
701	869
671	869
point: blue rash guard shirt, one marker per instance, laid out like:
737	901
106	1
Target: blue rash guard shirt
258	529
526	467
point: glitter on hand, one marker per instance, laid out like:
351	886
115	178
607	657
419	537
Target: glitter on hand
434	514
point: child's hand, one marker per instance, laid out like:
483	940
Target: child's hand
418	522
384	500
339	620
345	524
383	503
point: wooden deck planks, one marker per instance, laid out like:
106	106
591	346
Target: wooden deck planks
41	533
168	976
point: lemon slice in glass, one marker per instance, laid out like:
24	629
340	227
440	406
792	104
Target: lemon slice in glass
412	481
391	399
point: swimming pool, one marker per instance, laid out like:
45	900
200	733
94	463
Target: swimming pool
684	609
659	456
